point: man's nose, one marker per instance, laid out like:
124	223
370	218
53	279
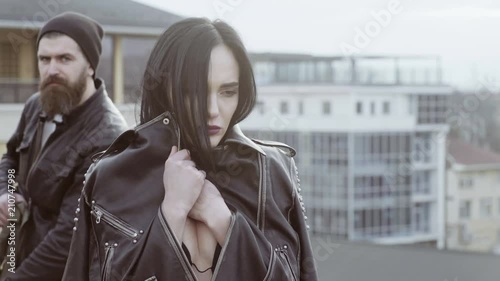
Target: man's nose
53	69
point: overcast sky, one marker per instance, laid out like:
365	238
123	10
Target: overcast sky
464	33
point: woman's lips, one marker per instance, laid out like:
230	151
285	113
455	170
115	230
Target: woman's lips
213	130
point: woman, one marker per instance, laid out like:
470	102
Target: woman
185	195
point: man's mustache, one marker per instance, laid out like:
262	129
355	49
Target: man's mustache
53	79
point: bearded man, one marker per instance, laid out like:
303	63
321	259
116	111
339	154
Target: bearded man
70	119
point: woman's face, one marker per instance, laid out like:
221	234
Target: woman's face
223	92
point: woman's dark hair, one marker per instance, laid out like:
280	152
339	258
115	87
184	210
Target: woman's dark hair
176	77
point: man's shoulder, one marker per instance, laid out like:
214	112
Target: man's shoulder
33	101
33	106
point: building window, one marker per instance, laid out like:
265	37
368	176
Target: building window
9	67
386	108
301	107
486	206
465	208
359	108
260	107
326	108
284	107
372	108
466	183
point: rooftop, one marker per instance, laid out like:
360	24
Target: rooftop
467	155
352	261
110	13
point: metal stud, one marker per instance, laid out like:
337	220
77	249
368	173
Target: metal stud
166	121
135	234
106	244
93	201
141	232
75	219
74	228
285	247
116	244
135	241
77	210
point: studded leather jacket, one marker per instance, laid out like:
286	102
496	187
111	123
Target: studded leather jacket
121	234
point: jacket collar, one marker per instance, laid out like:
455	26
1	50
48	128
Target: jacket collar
235	135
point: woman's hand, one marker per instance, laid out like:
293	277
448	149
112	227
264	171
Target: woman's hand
183	184
211	209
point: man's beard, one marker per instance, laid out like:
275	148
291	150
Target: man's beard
62	97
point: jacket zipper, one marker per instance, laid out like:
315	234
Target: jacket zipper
108	255
233	221
102	215
224	247
269	274
177	248
284	252
35	162
262	194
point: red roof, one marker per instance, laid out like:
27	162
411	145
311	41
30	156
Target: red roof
469	154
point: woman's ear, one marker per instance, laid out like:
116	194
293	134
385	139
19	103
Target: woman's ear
90	71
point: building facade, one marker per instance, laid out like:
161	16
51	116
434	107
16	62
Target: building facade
472	198
370	134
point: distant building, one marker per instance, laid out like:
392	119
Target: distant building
473	198
370	134
131	29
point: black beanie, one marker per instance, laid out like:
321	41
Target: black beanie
85	31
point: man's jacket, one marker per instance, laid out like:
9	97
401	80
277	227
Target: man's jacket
51	178
123	235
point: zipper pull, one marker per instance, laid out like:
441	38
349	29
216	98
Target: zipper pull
98	216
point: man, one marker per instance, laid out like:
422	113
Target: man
61	127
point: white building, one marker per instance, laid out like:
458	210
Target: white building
473	198
370	134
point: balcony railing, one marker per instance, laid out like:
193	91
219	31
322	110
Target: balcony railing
15	91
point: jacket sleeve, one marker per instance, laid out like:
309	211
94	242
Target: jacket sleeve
10	159
48	259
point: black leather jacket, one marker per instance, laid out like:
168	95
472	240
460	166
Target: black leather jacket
52	182
122	234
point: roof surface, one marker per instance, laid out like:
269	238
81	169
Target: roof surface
467	154
106	12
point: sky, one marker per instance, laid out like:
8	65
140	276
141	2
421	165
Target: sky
464	33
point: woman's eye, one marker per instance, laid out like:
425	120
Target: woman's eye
229	93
